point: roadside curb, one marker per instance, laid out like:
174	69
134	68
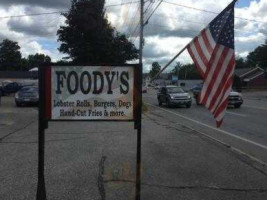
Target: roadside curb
250	160
246	158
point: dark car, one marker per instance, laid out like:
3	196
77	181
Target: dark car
173	95
8	87
28	95
235	98
196	91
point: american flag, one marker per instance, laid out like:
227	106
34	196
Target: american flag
214	56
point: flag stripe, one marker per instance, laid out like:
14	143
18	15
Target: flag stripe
208	76
223	103
206	41
204	48
195	61
210	38
196	55
215	74
200	52
224	89
221	111
219	84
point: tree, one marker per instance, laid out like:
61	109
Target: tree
24	64
258	57
176	69
63	62
241	63
155	69
88	37
10	56
187	71
38	60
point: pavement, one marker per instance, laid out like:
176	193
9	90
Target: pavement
96	160
256	95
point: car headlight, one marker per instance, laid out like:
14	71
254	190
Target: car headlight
188	96
172	97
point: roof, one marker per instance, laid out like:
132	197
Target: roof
249	73
241	71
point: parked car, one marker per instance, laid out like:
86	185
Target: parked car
235	98
8	87
173	95
196	91
28	95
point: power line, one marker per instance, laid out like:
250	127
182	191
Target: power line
153	12
195	22
207	11
149	14
133	20
149	6
34	14
135	30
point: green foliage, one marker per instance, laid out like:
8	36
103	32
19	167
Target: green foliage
175	70
258	56
11	60
187	71
10	56
38	60
155	69
63	62
241	63
88	37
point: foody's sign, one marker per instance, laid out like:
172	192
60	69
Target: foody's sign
90	92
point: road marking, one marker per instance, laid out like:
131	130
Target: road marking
208	126
261	108
232	113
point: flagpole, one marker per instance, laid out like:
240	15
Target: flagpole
178	54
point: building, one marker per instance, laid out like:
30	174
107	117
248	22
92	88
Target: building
252	77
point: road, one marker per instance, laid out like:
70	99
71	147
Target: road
243	128
89	160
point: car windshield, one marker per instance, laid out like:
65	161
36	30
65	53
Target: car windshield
175	90
29	89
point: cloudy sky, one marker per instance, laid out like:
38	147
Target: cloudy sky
169	29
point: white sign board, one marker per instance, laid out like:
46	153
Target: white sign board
92	93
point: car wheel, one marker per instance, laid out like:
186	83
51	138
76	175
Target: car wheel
237	105
18	104
188	105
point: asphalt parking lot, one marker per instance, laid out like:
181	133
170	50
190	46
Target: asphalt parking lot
89	160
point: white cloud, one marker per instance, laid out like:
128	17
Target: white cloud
168	31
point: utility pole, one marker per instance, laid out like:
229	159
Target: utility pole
139	126
141	38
